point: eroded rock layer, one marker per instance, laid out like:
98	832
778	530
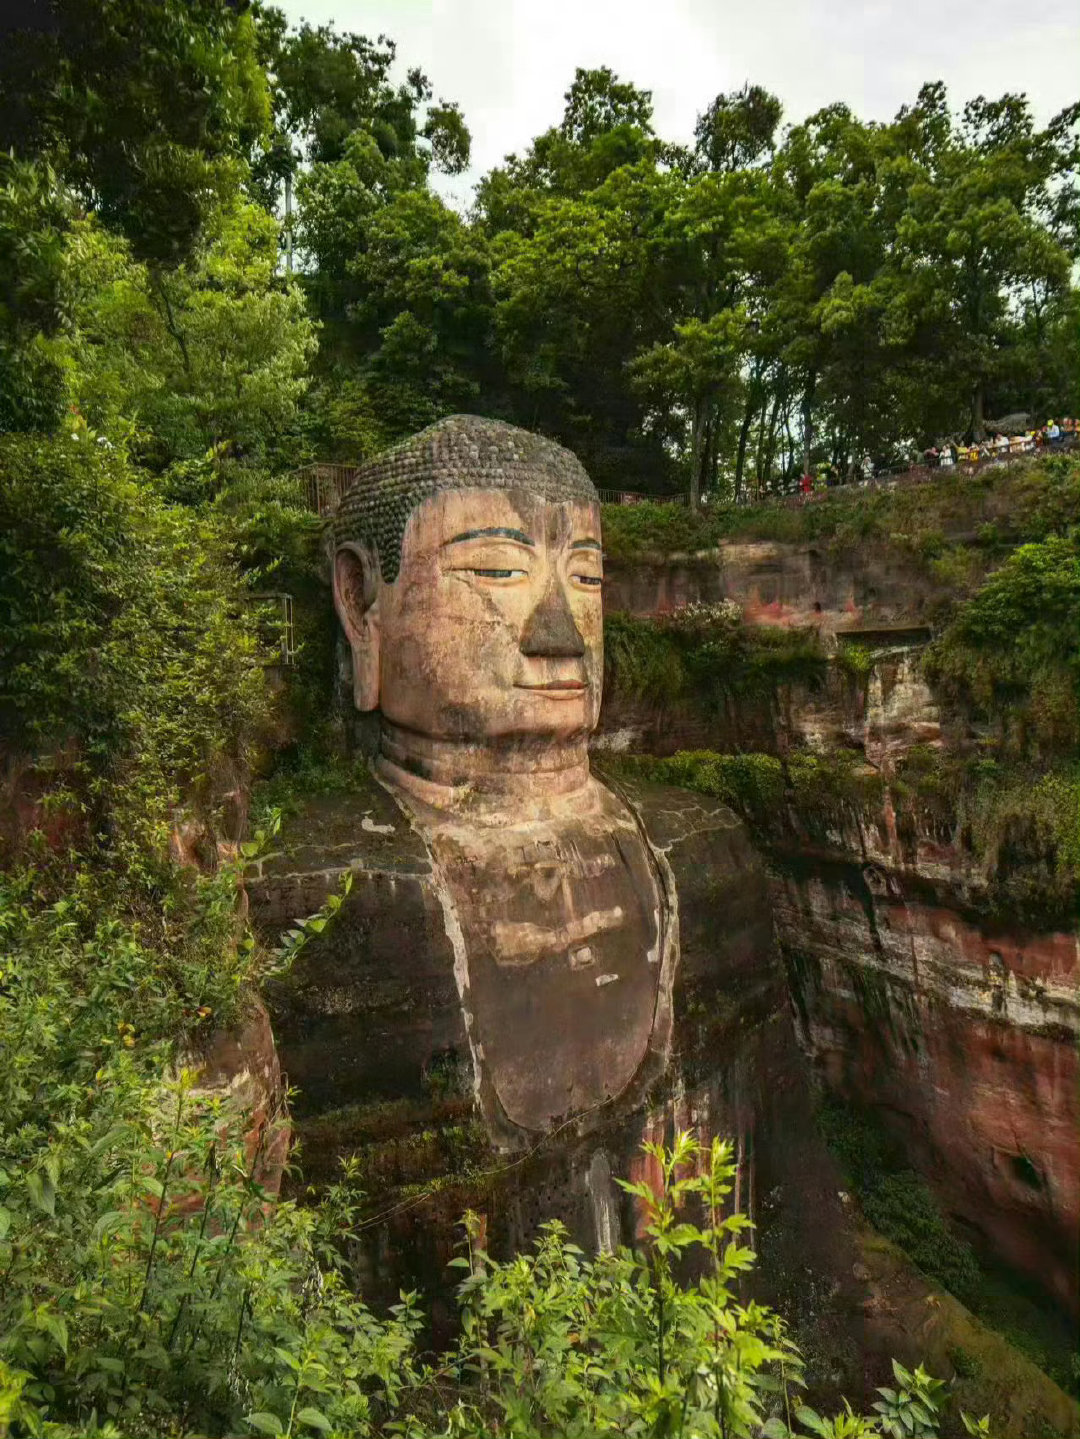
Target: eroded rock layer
953	1019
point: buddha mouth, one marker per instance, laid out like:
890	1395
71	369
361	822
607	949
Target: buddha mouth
556	689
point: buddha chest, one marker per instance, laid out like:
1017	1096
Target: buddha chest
560	933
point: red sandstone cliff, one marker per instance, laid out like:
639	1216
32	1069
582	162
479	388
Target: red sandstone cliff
960	1031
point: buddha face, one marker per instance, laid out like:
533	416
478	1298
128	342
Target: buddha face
493	629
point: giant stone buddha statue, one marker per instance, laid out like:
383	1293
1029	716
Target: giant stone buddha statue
568	964
467	577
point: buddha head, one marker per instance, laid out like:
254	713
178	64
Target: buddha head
467	572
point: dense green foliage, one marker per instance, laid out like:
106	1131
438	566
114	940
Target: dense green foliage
708	317
150	110
130	672
150	1287
705	651
1012	651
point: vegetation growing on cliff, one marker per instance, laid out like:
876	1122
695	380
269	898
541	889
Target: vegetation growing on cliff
160	322
1019	827
1004	666
131	678
1010	654
991	511
705	652
900	1206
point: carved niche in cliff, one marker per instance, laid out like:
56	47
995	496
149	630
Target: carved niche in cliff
467	573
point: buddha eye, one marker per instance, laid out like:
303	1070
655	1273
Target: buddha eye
497	574
588	579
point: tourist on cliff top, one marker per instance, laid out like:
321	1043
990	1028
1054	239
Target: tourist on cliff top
1001	444
948	457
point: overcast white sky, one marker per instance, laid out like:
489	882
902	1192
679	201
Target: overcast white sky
508	63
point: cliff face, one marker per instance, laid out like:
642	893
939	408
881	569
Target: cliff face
955	1020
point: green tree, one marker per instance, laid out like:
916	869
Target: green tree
34	216
976	232
211	357
149	110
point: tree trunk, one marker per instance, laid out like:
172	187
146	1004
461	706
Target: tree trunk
808	426
978	421
759	447
770	442
288	222
697	436
744	436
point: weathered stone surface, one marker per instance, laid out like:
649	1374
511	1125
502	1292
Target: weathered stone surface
371	1026
907	1317
373	1003
566	949
240	1066
960	1035
876	584
965	1037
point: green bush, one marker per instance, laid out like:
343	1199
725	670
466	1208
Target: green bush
146	1281
1007	505
706	654
897	1201
1020	823
752	784
151	1287
804	794
1012	651
125	643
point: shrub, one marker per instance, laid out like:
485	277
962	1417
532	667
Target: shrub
1028	500
897	1201
706	654
124	642
1012	651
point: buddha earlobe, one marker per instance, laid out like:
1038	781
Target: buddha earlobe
356	599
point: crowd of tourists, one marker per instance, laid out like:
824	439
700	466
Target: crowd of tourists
1054	435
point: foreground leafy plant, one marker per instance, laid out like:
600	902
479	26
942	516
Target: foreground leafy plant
151	1285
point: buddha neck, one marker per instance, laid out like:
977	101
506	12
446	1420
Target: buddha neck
448	774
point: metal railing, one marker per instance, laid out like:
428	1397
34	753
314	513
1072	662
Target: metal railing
638	497
324	484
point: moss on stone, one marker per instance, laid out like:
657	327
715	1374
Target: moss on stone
1011	652
803	794
1019	827
989	1372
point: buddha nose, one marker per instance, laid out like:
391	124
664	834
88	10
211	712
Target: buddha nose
550	631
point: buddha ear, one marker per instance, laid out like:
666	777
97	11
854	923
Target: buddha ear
356	599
